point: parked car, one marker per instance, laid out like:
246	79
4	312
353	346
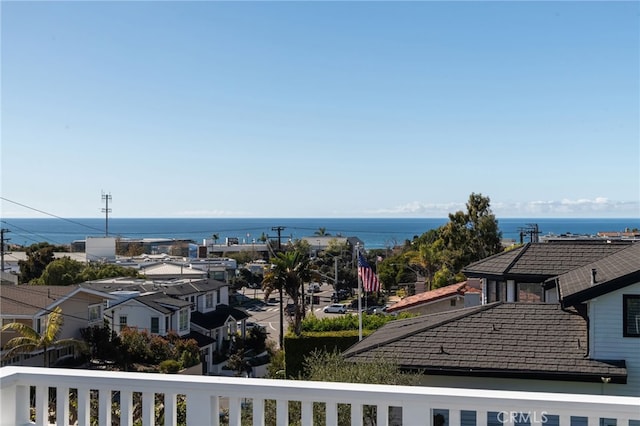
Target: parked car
336	308
314	288
340	295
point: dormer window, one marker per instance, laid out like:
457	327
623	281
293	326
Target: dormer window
631	315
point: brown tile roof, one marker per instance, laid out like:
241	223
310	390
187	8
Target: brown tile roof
27	300
518	340
543	260
431	296
612	272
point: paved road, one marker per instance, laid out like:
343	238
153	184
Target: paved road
268	314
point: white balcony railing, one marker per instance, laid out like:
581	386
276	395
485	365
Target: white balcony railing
106	398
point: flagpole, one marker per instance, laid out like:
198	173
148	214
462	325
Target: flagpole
359	295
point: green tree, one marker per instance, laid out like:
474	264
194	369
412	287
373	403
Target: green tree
30	340
290	271
321	232
63	271
66	271
38	257
472	235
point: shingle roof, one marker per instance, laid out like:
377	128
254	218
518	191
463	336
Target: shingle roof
30	299
217	318
615	271
201	339
522	340
543	260
431	296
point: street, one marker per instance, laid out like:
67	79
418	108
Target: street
268	314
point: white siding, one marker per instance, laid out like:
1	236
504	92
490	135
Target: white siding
138	316
606	339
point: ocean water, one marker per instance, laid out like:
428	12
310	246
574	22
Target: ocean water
376	233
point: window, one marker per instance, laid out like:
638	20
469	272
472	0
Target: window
453	302
123	321
631	315
95	313
184	320
155	325
39	325
208	300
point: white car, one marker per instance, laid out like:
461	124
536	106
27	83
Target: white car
336	308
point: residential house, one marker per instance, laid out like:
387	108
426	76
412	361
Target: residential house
197	309
454	296
587	343
31	305
522	274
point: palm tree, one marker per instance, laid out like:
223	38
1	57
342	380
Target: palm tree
290	271
30	340
321	232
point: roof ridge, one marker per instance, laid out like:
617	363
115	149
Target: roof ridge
464	312
515	260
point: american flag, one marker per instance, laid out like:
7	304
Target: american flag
369	279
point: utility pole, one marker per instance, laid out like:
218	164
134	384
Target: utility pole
106	210
278	229
2	243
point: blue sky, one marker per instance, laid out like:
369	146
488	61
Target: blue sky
320	109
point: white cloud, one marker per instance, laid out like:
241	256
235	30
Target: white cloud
582	207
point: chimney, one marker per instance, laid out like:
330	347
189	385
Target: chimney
593	276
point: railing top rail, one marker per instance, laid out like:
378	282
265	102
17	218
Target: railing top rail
296	389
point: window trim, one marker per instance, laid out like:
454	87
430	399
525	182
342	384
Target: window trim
99	313
625	319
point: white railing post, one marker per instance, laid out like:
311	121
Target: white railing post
84	406
214	412
199	409
413	414
258	411
356	414
42	405
62	406
382	414
282	412
104	407
307	413
331	411
481	417
170	408
235	411
126	408
148	411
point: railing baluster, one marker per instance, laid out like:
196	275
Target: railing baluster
235	412
481	417
170	408
126	408
356	414
454	417
84	406
413	414
62	406
307	413
258	412
199	410
42	405
382	414
104	407
148	412
214	413
282	412
331	409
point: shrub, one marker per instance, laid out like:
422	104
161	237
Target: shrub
170	366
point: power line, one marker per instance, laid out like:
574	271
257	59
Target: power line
50	214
